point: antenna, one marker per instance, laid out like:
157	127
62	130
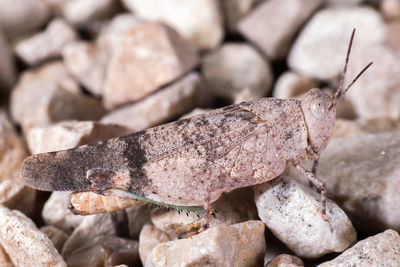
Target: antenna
340	92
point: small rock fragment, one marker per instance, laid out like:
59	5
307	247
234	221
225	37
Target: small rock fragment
149	57
57	236
346	127
47	44
234	10
15	195
241	244
24	243
69	134
233	207
167	103
320	49
227	74
362	173
56	212
83	11
292	212
4	259
378	250
49	95
377	93
390	9
292	85
87	63
198	21
285	260
273	24
7	68
21	16
149	238
107	251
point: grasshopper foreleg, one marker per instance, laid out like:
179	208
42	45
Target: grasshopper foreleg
316	182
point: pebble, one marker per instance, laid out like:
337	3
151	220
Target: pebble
136	69
69	134
24	243
241	244
57	236
378	250
149	238
227	74
362	173
48	95
233	207
285	260
109	251
4	259
84	11
292	212
165	104
18	17
392	39
47	44
234	10
199	21
345	127
87	64
377	92
7	67
273	24
56	212
320	49
13	193
390	9
292	85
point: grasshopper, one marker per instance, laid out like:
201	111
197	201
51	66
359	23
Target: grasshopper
189	163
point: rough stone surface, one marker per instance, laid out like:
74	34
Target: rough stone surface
362	174
320	49
69	134
378	250
361	126
198	21
107	251
83	11
292	85
169	102
57	236
7	68
377	92
86	63
47	44
4	259
24	243
55	212
273	24
149	238
241	244
13	194
234	10
390	9
285	260
292	212
49	95
228	74
136	68
21	16
234	207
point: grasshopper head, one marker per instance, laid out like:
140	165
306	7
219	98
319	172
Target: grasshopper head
320	110
319	118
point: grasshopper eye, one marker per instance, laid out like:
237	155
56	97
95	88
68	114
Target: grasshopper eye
319	108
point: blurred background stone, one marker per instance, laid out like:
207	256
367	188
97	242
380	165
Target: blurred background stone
47	44
227	74
273	24
199	21
7	67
